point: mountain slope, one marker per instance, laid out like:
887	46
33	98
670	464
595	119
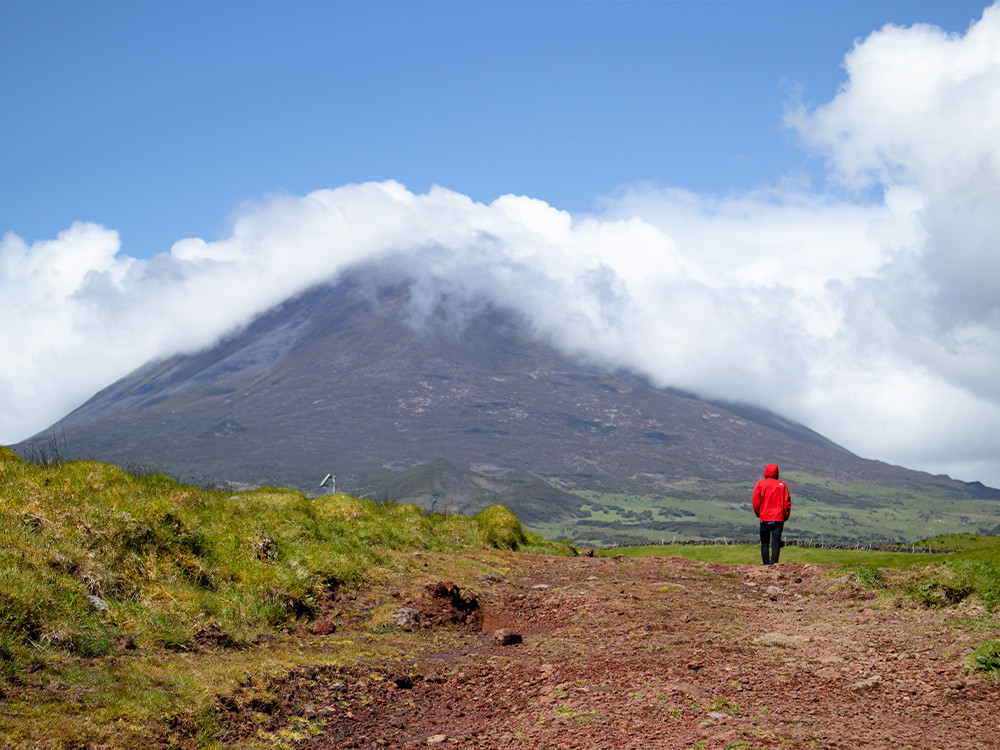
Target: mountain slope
349	379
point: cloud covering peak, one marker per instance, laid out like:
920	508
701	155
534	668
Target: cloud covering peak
871	315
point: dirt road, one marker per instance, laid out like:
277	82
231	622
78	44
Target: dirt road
665	653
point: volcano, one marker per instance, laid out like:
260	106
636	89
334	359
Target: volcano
455	408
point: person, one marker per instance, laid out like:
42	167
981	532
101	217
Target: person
772	504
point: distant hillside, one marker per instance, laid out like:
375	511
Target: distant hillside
466	407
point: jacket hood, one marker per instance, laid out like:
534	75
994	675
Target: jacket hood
771	470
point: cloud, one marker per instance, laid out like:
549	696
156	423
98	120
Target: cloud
872	320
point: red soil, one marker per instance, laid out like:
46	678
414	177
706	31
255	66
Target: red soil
660	653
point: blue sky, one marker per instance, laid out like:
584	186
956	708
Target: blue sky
793	203
160	120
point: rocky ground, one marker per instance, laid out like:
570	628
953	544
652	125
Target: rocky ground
651	653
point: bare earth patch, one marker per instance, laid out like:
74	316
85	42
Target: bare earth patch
653	653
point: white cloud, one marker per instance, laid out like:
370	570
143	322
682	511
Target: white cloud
876	322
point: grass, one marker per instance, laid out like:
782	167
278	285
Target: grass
822	510
113	585
746	554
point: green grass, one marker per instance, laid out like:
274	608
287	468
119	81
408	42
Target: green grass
745	554
822	510
498	527
976	553
111	584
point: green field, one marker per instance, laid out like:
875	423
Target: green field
963	548
822	511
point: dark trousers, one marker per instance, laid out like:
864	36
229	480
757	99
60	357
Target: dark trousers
770	537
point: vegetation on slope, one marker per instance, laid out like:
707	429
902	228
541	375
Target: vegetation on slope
107	579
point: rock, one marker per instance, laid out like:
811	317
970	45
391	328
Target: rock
780	639
437	739
323	627
829	659
868	684
504	637
406	618
686	688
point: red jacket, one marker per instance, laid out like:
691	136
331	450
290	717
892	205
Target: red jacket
771	499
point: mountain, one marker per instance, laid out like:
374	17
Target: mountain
462	407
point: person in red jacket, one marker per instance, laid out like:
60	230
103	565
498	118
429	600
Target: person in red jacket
772	504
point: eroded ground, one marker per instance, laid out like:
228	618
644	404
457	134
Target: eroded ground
652	653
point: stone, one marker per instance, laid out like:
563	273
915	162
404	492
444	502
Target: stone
504	637
323	627
686	688
406	618
780	639
868	684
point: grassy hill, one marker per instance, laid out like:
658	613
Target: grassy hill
110	581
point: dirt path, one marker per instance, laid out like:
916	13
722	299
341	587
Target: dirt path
669	653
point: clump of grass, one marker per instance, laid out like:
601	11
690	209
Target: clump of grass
498	527
869	577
